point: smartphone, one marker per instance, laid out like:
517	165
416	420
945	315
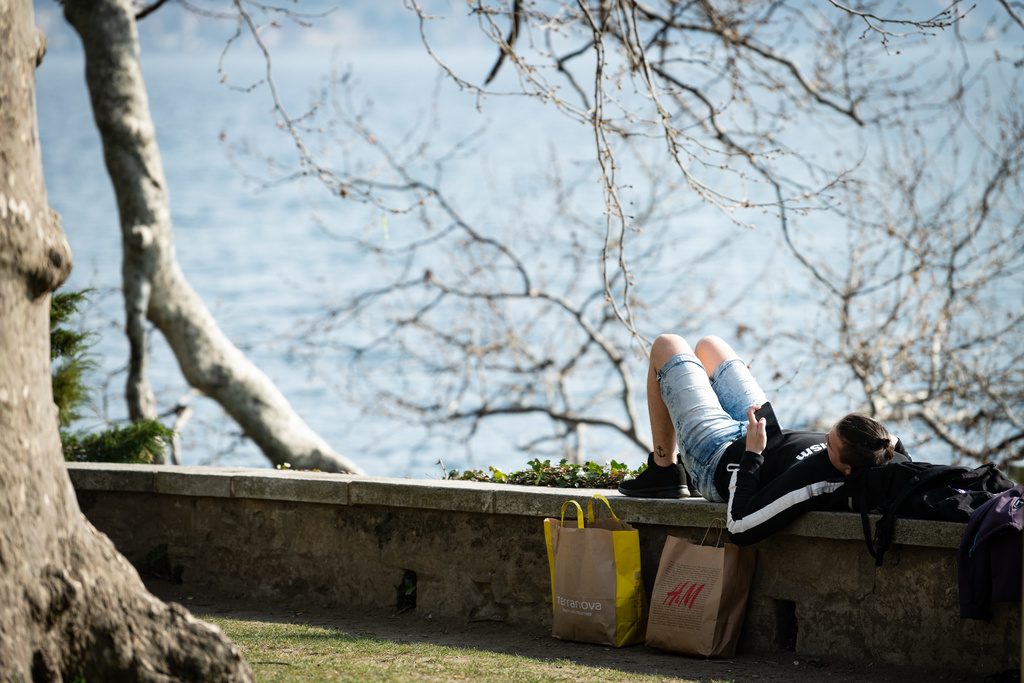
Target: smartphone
772	428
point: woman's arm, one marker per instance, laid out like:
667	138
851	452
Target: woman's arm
755	512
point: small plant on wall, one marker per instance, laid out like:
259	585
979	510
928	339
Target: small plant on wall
589	475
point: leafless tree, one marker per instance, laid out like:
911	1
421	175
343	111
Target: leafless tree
928	305
154	286
748	98
796	121
473	317
480	318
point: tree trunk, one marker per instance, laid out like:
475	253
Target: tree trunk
69	603
154	285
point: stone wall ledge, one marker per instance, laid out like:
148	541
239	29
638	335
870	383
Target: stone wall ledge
464	496
476	551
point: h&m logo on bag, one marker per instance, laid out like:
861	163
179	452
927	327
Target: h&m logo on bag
677	597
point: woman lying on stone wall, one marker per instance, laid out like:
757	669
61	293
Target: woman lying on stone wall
702	406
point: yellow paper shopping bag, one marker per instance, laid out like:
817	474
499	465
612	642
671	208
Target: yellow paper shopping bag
597	592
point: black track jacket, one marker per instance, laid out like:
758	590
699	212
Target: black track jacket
767	491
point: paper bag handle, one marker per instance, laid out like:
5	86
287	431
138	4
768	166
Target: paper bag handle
590	508
579	513
715	524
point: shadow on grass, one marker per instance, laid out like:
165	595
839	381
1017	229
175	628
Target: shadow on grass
386	629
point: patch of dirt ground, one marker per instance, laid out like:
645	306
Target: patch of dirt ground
538	643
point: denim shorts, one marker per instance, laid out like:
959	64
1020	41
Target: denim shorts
708	414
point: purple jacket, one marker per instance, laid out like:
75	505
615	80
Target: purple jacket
989	559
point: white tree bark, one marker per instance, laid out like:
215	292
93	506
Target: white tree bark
155	287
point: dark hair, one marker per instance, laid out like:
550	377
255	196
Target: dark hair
866	441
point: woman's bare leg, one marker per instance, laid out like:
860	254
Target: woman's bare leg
665	476
663	432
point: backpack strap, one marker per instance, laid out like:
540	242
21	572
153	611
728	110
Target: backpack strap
857	481
865	522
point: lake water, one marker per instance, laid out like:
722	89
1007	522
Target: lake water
252	253
266	268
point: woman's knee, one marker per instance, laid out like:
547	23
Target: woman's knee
711	342
713	351
666	347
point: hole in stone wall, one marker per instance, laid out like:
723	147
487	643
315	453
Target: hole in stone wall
406	592
785	625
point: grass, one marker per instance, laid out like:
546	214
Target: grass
296	652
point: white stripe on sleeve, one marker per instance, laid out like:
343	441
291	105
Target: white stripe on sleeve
777	506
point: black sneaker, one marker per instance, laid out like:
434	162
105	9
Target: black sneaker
657	482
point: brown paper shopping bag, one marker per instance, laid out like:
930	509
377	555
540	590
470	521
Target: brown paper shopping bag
700	597
597	592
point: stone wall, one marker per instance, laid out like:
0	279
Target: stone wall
476	551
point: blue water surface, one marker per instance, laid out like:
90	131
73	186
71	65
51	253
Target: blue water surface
269	258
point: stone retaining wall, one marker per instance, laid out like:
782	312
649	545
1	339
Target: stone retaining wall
476	551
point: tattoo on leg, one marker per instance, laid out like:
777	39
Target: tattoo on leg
661	452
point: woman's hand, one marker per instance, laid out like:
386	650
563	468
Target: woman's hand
757	431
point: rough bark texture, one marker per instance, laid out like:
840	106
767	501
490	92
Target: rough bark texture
154	285
69	603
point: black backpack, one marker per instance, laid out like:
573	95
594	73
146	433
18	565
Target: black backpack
919	490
